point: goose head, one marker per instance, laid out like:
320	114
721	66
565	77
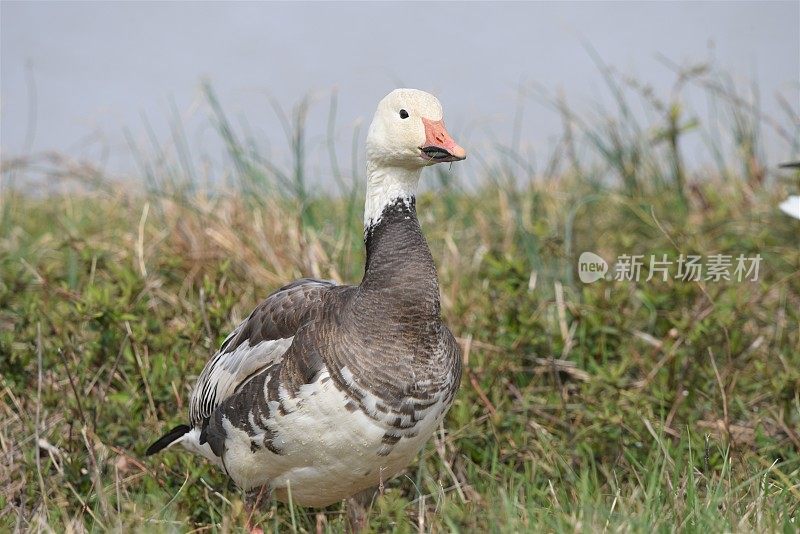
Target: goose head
407	134
408	131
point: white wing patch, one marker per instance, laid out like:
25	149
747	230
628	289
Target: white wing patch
226	372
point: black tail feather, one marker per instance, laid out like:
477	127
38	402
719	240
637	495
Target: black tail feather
167	439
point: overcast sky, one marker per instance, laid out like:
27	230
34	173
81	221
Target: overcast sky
99	68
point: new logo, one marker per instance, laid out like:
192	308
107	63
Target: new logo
591	267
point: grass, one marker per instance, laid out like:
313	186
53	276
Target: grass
615	406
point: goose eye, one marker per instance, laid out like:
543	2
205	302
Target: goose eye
403	114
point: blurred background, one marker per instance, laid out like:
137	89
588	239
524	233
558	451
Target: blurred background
100	81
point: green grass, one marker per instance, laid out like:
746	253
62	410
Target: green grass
615	406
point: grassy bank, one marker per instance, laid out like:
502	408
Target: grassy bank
612	406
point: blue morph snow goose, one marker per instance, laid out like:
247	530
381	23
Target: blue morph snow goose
327	390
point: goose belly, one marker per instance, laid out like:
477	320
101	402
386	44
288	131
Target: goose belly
327	451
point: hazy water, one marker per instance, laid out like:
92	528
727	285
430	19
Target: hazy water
97	69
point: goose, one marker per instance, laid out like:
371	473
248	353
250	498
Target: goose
326	391
791	206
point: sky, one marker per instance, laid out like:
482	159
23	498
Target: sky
75	77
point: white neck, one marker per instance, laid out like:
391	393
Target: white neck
384	185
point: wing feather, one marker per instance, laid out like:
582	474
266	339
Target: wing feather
259	342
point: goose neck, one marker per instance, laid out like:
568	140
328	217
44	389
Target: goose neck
386	184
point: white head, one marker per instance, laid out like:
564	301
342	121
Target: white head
407	134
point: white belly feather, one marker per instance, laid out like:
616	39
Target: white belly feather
328	452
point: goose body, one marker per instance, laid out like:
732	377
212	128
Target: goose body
326	390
